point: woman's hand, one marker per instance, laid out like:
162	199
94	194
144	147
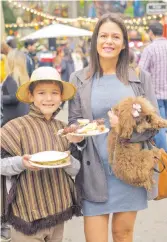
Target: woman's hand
74	139
27	164
113	119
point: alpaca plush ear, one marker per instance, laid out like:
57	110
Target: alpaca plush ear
157	122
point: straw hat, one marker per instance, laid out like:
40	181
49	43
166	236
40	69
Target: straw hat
45	73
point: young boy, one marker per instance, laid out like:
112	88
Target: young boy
39	201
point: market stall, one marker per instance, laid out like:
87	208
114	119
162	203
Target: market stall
56	31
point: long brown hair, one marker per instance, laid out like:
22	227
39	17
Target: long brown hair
123	60
16	66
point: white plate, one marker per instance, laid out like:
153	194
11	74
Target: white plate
54	166
46	156
91	133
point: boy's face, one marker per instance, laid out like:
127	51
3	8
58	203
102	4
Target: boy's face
47	97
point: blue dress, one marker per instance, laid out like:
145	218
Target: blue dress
107	92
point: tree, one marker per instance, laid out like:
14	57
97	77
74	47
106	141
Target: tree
8	13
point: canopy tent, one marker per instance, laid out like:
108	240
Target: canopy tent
56	31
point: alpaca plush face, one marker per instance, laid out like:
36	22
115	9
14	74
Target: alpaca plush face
132	112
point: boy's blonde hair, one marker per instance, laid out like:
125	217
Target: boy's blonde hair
16	66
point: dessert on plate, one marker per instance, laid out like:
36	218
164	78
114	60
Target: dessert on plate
85	127
49	158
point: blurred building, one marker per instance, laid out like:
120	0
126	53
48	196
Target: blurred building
75	9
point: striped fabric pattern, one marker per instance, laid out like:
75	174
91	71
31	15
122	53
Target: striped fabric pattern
41	193
154	60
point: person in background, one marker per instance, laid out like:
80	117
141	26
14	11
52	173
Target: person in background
16	75
154	60
5	49
58	59
45	56
67	65
83	57
133	61
8	45
11	41
2	67
30	54
77	58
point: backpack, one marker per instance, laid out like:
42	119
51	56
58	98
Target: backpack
162	181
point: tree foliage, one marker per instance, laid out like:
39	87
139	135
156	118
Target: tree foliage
8	13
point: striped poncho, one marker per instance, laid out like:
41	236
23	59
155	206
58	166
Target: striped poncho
42	198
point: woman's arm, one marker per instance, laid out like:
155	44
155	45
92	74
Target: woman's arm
147	135
74	107
74	168
147	86
74	113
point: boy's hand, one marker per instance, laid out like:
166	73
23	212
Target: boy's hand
113	118
27	164
74	139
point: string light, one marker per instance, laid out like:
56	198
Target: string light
34	11
133	23
81	19
9	26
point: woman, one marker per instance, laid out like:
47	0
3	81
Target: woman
16	75
105	83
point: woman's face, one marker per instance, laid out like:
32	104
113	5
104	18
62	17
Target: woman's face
110	41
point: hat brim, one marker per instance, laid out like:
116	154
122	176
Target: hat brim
23	93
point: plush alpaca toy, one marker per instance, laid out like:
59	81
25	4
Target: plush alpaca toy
130	161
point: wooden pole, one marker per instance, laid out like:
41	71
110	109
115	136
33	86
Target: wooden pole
2	22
